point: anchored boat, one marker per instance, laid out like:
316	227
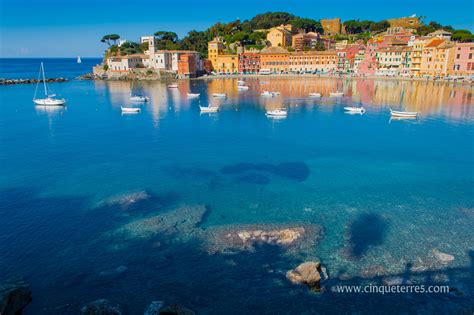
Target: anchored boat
172	86
130	109
209	109
192	95
354	109
315	95
221	95
49	99
336	94
396	113
276	113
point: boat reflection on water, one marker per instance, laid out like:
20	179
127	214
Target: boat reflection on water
51	109
394	118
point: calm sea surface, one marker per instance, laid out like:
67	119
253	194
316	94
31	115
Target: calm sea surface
79	185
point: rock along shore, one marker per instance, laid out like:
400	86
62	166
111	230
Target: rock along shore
29	81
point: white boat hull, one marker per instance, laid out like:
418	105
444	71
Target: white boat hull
130	109
209	109
49	101
352	109
173	86
139	99
242	87
191	95
314	94
277	113
221	95
336	94
403	114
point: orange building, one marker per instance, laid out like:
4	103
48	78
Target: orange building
275	59
437	57
187	65
313	61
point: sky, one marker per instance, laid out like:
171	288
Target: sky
68	28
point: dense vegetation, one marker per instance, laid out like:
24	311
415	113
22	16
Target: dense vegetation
251	33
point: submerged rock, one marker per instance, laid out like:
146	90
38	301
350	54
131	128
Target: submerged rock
176	310
374	271
126	200
154	308
101	307
183	221
113	273
245	237
443	257
306	273
14	297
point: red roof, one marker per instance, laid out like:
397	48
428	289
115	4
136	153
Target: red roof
435	43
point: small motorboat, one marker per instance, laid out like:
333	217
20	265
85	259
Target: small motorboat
130	109
315	95
242	87
276	113
209	109
270	93
192	95
354	109
240	82
336	94
221	95
139	98
172	86
396	113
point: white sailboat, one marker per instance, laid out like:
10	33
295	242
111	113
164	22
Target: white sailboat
138	97
130	109
79	59
193	95
355	109
276	113
48	99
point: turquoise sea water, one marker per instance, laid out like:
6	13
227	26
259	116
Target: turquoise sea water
388	194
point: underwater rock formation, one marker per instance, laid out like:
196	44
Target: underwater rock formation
14	297
443	257
182	221
101	307
154	308
246	237
126	200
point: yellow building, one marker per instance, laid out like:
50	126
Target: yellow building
416	57
226	64
279	36
437	57
214	49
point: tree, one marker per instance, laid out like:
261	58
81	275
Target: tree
165	35
319	46
380	26
110	37
464	36
308	25
270	19
258	37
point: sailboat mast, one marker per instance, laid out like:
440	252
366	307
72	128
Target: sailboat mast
44	81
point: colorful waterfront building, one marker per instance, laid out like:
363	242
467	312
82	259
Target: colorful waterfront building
215	48
303	40
437	57
188	65
279	36
417	49
313	61
393	60
128	62
249	62
463	64
275	59
227	64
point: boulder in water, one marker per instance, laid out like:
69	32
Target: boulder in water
101	307
306	273
14	297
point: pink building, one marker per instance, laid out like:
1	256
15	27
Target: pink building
463	59
369	65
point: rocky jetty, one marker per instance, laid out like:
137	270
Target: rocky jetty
29	81
101	307
87	76
308	273
246	237
14	297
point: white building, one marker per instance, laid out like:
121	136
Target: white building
125	63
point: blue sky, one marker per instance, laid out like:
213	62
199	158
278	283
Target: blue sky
52	28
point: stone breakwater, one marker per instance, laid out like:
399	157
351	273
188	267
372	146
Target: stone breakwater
29	81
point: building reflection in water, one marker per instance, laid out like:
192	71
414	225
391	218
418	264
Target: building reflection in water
451	101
